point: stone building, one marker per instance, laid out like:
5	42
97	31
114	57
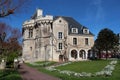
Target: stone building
59	38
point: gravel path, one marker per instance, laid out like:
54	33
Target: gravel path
28	73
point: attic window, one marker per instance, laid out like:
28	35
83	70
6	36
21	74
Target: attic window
74	30
86	31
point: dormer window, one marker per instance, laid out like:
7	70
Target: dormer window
74	30
85	31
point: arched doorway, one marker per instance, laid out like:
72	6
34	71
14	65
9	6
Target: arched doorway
74	54
61	57
90	54
82	54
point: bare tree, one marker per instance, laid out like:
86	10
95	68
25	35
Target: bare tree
9	39
8	7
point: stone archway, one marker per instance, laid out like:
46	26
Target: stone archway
74	54
90	54
82	54
61	57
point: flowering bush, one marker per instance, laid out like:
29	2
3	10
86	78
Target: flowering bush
107	70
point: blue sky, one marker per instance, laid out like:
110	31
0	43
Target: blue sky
94	14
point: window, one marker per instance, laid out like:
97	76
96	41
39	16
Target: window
86	41
86	31
30	33
60	21
31	48
74	41
59	35
74	30
60	46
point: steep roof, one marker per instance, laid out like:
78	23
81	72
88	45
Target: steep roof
72	23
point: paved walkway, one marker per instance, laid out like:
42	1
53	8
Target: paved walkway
29	73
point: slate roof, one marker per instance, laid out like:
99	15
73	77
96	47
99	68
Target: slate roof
72	23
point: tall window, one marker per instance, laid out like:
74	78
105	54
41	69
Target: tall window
86	41
74	41
60	46
30	33
59	35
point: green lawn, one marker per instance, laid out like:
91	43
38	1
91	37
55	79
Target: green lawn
87	66
9	75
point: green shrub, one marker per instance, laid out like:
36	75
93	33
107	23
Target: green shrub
10	59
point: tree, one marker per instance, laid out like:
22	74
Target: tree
106	40
10	42
8	7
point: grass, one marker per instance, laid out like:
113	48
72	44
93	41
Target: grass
85	66
9	75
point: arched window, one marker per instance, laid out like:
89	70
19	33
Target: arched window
74	54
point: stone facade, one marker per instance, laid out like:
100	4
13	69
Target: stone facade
59	38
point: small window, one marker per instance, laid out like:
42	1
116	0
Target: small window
31	48
86	41
59	35
86	31
30	33
60	21
74	30
74	41
60	46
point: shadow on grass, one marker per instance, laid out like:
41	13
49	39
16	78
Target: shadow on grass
9	75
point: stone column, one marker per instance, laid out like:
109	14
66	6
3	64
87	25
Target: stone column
78	55
86	55
69	52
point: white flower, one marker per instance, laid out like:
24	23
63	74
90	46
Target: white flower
107	71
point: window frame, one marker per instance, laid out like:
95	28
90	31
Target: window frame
74	30
85	31
60	46
60	35
74	41
86	41
30	33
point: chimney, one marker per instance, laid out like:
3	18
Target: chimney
39	12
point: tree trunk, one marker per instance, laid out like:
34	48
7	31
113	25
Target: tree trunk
106	54
99	52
